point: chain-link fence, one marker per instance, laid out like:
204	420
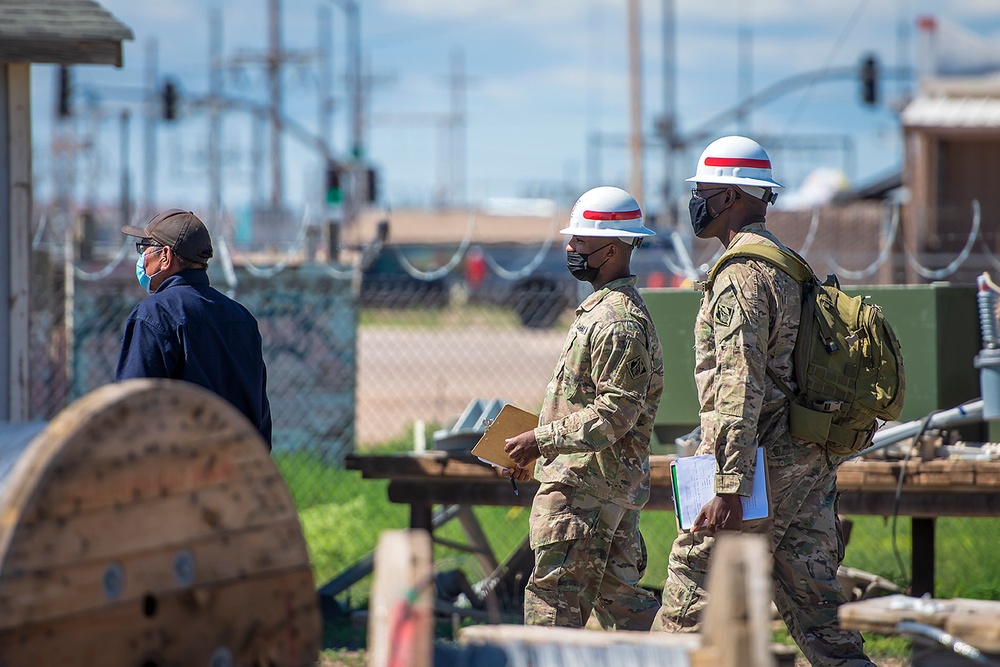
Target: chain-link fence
381	354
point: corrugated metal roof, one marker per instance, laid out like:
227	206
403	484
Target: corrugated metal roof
59	21
953	112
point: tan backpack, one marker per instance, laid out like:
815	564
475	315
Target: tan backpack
847	361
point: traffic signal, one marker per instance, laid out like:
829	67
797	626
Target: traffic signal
371	185
869	80
333	192
169	100
65	105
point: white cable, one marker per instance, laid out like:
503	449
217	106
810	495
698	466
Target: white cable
533	264
106	271
427	276
228	270
42	224
297	245
938	274
882	256
686	267
811	236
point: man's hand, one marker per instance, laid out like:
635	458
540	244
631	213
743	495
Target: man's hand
519	474
723	512
522	448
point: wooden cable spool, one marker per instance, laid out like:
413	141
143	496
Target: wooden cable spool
147	525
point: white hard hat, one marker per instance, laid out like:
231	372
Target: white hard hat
606	211
736	160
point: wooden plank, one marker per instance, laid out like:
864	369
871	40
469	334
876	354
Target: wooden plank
974	621
925	504
37	594
149	524
90	485
401	618
738	615
269	621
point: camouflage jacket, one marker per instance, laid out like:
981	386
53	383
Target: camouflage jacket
749	320
600	403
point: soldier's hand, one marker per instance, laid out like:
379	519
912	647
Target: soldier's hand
523	448
723	512
519	474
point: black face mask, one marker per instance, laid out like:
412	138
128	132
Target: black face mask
700	217
578	267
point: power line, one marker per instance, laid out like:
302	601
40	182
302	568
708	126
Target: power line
844	33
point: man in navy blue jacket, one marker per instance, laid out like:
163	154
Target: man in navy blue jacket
187	330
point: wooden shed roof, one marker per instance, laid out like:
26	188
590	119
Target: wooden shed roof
65	32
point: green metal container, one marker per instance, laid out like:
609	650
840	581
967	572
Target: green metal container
937	326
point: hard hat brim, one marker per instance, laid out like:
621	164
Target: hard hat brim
590	231
735	180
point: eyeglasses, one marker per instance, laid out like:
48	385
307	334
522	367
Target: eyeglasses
700	194
142	245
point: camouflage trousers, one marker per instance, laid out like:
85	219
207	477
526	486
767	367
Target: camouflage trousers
806	549
589	558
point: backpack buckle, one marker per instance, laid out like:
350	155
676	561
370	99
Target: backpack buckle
827	405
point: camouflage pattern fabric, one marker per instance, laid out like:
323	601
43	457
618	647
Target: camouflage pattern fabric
748	320
589	557
593	435
600	403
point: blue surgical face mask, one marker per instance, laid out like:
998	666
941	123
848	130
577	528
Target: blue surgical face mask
140	271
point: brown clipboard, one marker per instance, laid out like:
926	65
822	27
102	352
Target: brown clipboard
509	422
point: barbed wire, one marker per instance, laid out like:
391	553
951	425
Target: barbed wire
108	268
883	255
441	272
938	274
686	267
811	234
533	264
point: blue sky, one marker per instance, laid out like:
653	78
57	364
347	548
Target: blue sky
544	76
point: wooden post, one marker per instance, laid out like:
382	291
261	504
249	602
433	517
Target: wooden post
401	611
738	613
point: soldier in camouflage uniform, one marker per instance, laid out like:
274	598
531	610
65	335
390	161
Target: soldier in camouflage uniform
592	439
748	322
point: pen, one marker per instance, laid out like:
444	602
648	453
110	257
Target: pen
513	484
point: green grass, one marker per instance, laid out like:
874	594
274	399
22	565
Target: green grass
342	516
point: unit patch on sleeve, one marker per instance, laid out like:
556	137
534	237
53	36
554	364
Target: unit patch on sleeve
723	315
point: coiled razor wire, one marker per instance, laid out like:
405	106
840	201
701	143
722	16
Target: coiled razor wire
441	272
528	268
938	274
298	244
883	255
106	271
811	235
686	267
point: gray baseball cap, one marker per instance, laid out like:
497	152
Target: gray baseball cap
181	231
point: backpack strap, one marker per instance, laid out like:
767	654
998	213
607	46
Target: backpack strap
787	260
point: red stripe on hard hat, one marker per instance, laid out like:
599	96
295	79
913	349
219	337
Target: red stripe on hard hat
737	162
612	215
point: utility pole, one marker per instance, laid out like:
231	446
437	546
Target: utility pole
635	87
274	61
324	39
744	65
456	121
125	202
215	92
667	125
150	121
